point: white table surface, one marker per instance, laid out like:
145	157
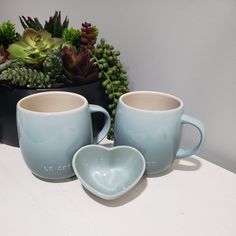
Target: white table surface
195	197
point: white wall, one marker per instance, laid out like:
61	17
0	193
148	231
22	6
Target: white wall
184	47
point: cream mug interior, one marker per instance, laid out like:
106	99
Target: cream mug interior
52	102
151	101
152	123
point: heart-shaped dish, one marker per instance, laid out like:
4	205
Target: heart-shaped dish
108	172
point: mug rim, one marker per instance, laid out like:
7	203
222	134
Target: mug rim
151	92
83	106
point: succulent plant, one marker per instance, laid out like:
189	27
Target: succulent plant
77	65
29	22
8	34
53	25
73	37
54	55
89	35
113	75
5	60
33	46
25	77
52	65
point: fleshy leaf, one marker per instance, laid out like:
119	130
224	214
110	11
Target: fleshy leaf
30	36
17	51
77	66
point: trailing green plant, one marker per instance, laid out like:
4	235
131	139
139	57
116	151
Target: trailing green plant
25	77
113	74
33	46
72	36
54	25
8	34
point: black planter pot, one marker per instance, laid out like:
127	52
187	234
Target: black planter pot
9	97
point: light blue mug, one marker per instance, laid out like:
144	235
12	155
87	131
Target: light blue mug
152	122
52	126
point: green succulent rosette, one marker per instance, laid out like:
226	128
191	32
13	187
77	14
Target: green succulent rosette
33	46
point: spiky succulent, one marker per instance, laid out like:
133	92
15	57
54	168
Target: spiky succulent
8	34
33	46
28	22
53	25
25	77
77	65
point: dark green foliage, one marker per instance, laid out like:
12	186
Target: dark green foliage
53	25
18	75
8	34
30	23
52	65
113	74
72	36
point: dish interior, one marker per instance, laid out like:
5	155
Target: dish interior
109	172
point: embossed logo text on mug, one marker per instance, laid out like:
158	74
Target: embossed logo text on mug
57	168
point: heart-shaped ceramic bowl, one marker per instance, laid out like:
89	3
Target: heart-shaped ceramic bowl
108	172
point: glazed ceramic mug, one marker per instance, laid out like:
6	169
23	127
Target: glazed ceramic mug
152	122
51	127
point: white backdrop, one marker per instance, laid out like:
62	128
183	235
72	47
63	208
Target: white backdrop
184	47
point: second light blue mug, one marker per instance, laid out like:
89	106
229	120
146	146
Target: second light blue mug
152	122
52	126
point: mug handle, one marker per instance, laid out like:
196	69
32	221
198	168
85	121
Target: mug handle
103	132
185	119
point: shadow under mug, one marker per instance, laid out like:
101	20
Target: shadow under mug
152	122
51	127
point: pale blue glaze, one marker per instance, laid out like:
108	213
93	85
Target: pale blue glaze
108	173
156	134
48	141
